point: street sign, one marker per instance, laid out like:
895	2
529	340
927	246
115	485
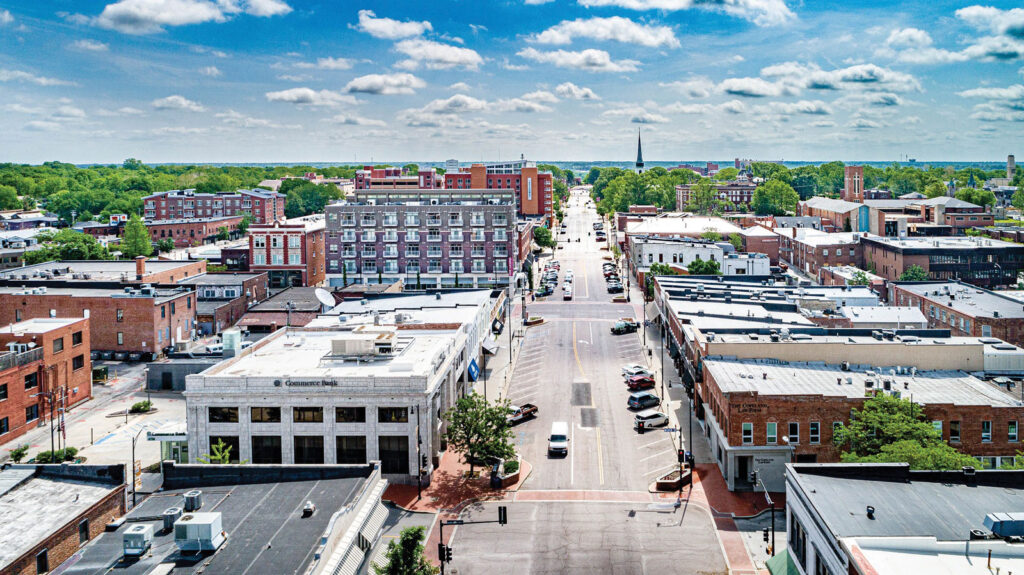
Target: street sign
474	370
670	430
454	522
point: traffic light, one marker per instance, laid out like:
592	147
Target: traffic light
752	476
502	515
764	534
448	553
681	455
423	462
440	552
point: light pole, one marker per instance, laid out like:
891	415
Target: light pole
132	466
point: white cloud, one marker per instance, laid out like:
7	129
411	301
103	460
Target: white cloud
614	28
20	76
388	29
43	126
519	105
457	104
327	64
730	107
536	2
211	71
1014	92
863	124
177	102
698	87
798	76
636	115
124	111
239	120
908	38
356	121
514	67
5	17
295	77
760	12
824	124
68	112
754	88
149	16
540	96
590	60
460	87
809	107
574	92
89	46
989	19
450	112
400	83
436	56
309	97
178	131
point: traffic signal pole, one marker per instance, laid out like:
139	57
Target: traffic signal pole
444	552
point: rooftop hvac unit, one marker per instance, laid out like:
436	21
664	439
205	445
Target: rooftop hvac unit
193	500
170	515
1005	524
137	540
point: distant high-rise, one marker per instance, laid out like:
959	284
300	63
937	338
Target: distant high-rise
639	155
451	165
853	185
1011	167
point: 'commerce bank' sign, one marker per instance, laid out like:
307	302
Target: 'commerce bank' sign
305	383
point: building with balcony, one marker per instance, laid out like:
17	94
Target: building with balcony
978	261
192	232
291	252
261	205
393	178
533	189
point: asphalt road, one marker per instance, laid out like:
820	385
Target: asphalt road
586	538
570	367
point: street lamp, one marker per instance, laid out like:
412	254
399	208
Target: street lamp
132	466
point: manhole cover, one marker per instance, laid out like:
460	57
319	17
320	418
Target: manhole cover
581	394
588	417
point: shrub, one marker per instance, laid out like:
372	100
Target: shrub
19	453
141	407
511	466
66	454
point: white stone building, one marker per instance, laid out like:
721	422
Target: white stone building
680	252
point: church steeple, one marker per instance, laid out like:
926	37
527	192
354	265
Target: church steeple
639	154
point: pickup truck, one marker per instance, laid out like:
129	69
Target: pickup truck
520	413
625	326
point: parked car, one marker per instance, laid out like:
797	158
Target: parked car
640	382
643	400
650	418
616	288
624	326
518	414
567	295
632	369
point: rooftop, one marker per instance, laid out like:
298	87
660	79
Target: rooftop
303	298
220	279
211	219
832	205
815	237
159	295
678	223
908	316
110	270
967	299
772	377
311	223
848	272
942	243
38	325
384	304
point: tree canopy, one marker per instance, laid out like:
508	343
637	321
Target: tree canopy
659	269
543	237
405	555
914	273
479	429
136	240
775	198
66	244
699	267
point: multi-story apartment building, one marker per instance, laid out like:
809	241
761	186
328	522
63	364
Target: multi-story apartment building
809	250
534	191
392	178
194	231
978	261
423	243
262	205
292	252
738	192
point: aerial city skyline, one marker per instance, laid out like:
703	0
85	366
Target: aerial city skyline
295	81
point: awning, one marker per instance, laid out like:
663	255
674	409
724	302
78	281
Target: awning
353	560
371	529
489	347
782	564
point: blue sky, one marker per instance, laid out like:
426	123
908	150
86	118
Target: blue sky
296	80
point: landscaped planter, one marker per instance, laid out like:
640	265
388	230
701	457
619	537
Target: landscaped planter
672	481
619	299
511	478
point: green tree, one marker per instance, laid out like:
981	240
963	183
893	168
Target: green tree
775	198
699	267
479	430
19	453
890	429
727	174
543	237
9	198
935	190
704	198
737	241
711	236
220	454
405	555
659	269
66	244
132	164
136	240
977	197
243	226
592	176
1018	197
914	273
165	245
411	169
223	233
860	278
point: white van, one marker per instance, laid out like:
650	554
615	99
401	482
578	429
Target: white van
558	441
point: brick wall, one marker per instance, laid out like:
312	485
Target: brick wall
19	398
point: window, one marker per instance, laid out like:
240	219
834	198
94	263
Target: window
798	540
266	448
120	314
771	433
76	338
172	308
231	446
986	431
42	562
17	315
937	425
394	454
393	414
986	331
32	413
351	449
58	345
78	362
223	414
1011	431
748	433
3	392
259	259
83	532
954	431
309	449
31	380
350	414
815	432
293	259
293	241
794	432
308	415
120	338
265	414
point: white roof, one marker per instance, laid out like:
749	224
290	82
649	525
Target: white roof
38	325
677	223
832	205
908	316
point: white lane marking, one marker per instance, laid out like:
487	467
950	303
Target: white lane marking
664	469
659	454
656	441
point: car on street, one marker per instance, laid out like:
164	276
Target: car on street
650	418
558	439
629	370
567	295
520	413
615	288
640	382
643	400
624	326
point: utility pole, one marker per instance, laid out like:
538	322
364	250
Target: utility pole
132	466
444	552
755	479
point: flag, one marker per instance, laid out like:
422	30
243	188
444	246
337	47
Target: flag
63	430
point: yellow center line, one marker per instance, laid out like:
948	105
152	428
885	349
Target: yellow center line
576	353
600	452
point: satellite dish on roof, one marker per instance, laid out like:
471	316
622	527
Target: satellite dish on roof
325	297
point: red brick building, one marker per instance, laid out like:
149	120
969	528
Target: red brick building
292	253
963	309
809	250
143	320
262	205
392	178
223	298
533	188
194	231
739	193
978	261
137	271
853	184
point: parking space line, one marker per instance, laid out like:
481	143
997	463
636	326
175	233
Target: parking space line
659	454
656	441
664	469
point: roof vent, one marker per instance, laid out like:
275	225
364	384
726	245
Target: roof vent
871	512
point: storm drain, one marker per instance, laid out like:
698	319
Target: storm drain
581	394
588	417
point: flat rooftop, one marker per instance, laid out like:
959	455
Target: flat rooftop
677	223
880	314
33	507
171	222
109	270
943	243
770	377
385	303
39	325
814	237
303	299
219	279
264	524
161	295
967	299
832	204
847	272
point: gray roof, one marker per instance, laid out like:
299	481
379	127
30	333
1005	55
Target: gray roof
946	201
264	523
386	304
208	307
968	300
161	295
304	299
889	203
916	504
832	205
220	279
100	269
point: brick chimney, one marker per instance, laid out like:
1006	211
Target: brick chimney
140	267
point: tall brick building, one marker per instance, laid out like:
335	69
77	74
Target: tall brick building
533	189
963	309
262	205
292	253
853	184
